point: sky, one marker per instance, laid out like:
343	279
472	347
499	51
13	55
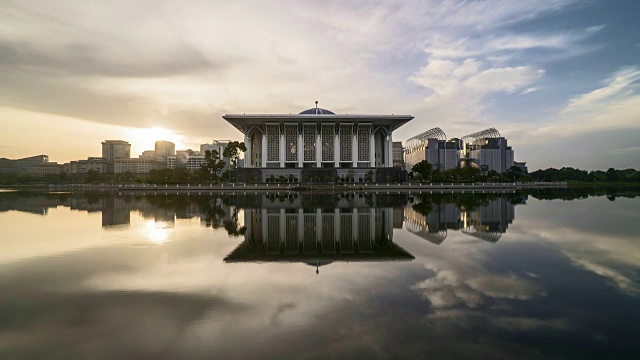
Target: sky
558	78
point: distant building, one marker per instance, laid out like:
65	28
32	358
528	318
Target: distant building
21	165
115	149
137	166
425	146
488	148
164	149
398	155
98	164
7	166
522	166
443	155
193	162
148	154
217	145
45	168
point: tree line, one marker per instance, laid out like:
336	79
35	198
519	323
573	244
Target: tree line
423	171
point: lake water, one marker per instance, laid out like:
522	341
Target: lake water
106	276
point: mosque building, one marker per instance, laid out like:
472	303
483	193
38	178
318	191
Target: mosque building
320	144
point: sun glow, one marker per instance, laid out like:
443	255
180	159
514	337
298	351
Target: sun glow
157	231
145	139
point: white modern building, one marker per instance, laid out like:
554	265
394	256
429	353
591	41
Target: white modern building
488	147
318	142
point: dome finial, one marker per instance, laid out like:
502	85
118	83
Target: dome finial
316	104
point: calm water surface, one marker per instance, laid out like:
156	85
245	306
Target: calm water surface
105	276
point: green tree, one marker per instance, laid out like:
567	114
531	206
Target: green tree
423	168
213	165
368	176
232	151
93	176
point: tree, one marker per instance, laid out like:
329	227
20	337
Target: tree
515	172
93	176
232	151
423	168
368	176
213	164
351	175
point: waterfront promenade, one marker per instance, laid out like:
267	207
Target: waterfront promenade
310	187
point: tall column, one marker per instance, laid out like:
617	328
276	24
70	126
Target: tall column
281	150
263	223
300	223
372	225
354	225
390	151
300	151
318	226
247	154
264	151
372	151
336	225
318	149
336	150
354	150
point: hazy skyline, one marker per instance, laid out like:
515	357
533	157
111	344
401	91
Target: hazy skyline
558	78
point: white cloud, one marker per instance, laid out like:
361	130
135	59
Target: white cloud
621	85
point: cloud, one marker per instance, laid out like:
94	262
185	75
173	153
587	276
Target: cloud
627	151
621	86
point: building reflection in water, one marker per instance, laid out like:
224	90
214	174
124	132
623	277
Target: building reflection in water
293	227
486	221
351	230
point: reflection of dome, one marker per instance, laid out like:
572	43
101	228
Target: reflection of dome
317	111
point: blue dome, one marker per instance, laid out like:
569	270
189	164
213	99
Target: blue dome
317	111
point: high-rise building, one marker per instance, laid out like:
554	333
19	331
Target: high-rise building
442	154
424	146
164	149
488	147
115	149
398	154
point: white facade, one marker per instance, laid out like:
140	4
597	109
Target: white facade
325	140
493	152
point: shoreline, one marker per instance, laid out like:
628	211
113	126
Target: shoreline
305	188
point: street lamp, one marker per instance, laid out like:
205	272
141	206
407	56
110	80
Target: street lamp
165	182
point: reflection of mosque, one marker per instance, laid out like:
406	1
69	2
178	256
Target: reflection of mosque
318	236
487	221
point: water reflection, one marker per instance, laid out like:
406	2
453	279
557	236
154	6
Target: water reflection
196	276
486	221
318	236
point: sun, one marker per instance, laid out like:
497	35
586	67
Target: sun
157	232
145	139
